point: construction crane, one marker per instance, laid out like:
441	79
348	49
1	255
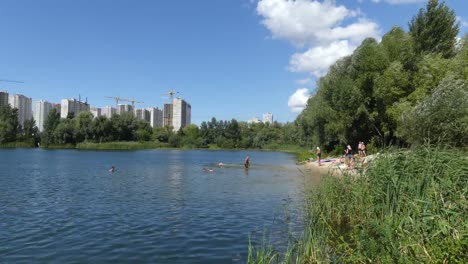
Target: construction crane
3	80
133	101
117	99
171	94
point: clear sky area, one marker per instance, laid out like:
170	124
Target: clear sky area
227	58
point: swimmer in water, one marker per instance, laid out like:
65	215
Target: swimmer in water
208	169
112	169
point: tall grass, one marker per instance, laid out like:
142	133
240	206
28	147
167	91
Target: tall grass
409	207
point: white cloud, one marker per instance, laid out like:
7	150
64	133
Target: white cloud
320	25
462	22
317	60
298	100
303	81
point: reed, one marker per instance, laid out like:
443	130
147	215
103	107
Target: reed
410	206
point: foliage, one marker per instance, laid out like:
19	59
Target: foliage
434	29
9	126
441	117
409	207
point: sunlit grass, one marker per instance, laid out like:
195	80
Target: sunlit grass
409	207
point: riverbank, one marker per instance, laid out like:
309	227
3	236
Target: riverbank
409	207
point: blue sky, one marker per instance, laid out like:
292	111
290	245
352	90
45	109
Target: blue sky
227	58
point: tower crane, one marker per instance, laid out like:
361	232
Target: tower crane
171	94
117	99
133	101
3	80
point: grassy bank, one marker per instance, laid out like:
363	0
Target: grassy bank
409	207
17	145
121	145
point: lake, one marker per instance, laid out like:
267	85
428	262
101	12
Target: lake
159	206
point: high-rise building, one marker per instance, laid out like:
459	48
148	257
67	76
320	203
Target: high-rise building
124	108
72	106
24	106
268	118
181	114
96	111
108	111
253	120
167	115
142	114
40	112
156	117
3	98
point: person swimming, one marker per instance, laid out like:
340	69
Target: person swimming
112	169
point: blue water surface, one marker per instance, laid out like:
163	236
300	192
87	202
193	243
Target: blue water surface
159	206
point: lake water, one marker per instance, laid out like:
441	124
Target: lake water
160	206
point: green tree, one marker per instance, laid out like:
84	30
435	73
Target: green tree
9	125
50	123
440	117
83	127
435	29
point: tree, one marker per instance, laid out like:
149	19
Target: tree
83	127
434	29
50	123
9	125
440	117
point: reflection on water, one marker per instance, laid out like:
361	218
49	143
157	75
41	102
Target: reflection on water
159	206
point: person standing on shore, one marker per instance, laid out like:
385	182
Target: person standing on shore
349	157
319	156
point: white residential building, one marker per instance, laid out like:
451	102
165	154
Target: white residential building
181	114
3	98
108	111
40	112
156	117
268	118
72	106
253	120
124	108
96	111
24	106
142	114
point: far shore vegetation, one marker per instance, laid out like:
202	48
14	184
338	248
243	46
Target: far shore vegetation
408	91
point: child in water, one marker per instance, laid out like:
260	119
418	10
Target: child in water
247	162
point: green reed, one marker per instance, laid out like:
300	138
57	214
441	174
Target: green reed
410	206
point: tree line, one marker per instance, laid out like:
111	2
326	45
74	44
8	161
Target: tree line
410	87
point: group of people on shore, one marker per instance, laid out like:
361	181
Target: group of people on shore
347	157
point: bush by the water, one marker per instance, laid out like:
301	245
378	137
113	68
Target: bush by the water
409	207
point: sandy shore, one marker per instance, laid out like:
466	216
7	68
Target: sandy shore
332	166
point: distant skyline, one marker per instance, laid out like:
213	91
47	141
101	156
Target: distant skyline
228	59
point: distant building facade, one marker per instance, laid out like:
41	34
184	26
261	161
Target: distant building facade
96	111
253	120
142	114
3	98
156	117
167	115
124	108
181	114
268	118
72	106
40	112
24	106
108	111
